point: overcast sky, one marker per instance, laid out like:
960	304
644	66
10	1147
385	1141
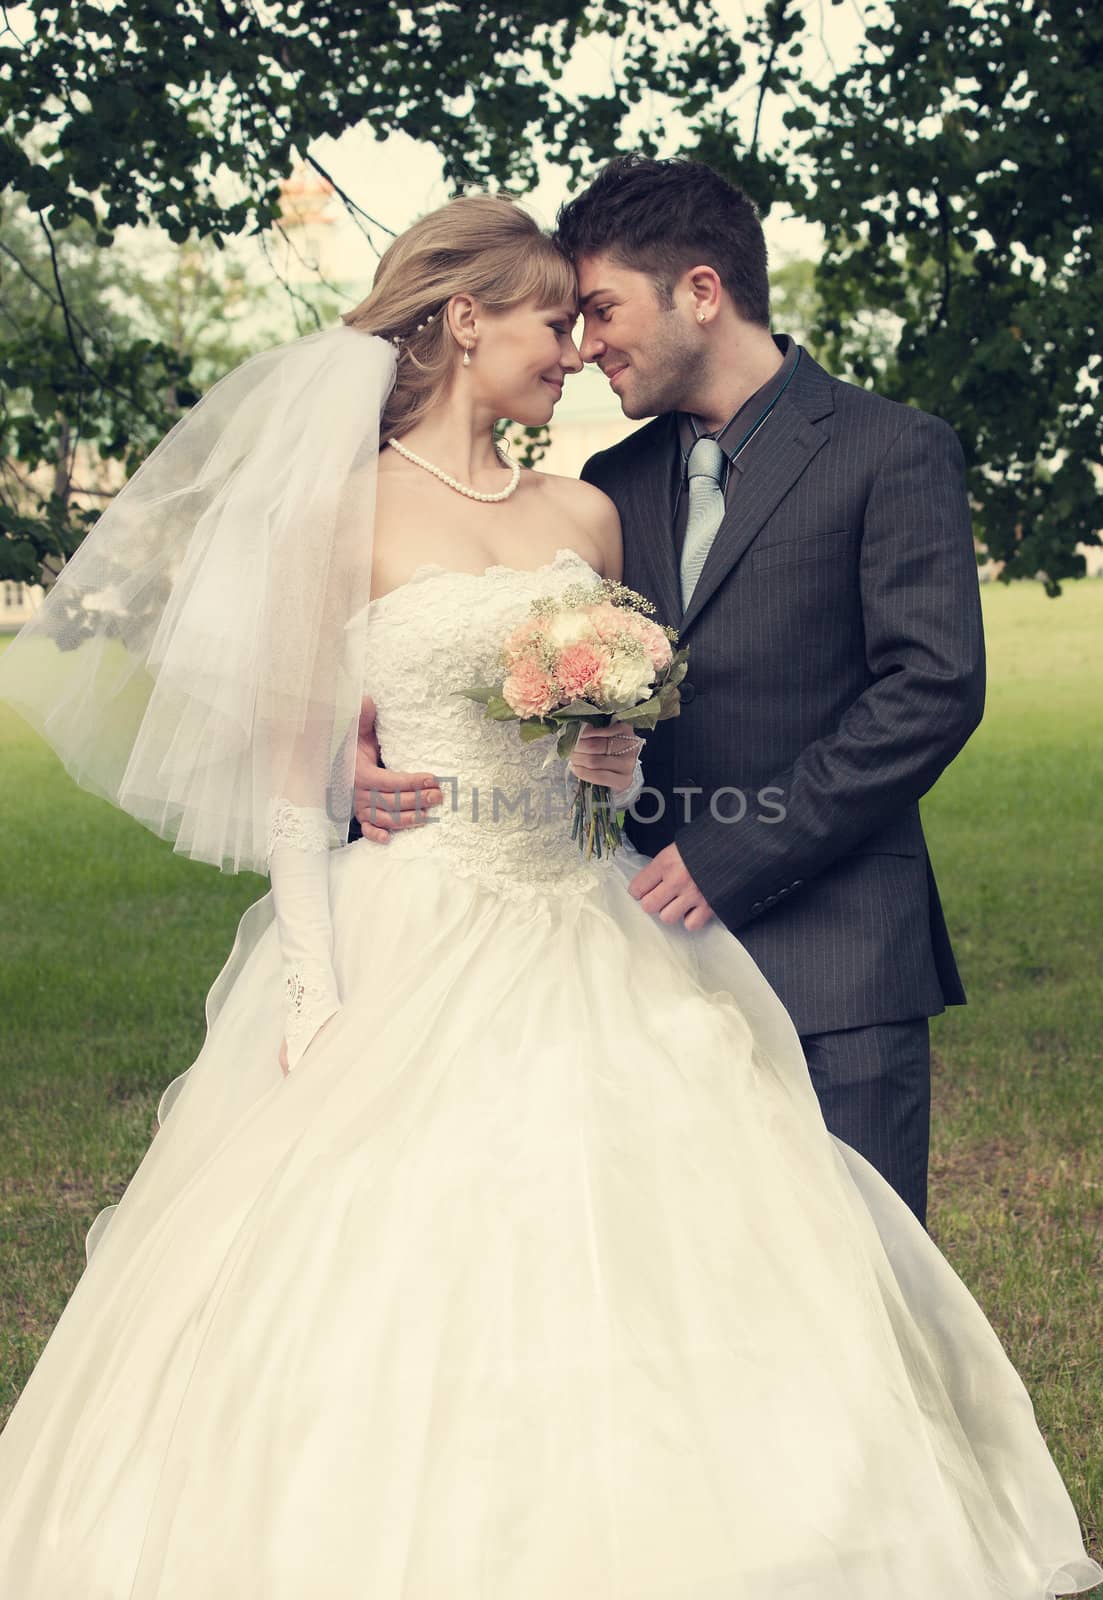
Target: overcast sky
397	179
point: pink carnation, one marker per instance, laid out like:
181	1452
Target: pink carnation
520	643
608	620
657	645
528	690
581	666
651	636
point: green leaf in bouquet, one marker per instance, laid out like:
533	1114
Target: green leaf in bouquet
653	711
533	728
579	708
482	693
499	710
642	712
568	739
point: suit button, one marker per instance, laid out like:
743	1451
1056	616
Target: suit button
771	899
781	893
757	906
799	884
687	691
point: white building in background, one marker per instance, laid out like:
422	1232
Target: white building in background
303	246
18	602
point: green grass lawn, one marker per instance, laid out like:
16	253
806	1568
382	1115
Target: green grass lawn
1017	1127
109	942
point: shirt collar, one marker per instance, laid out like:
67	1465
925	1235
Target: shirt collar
691	428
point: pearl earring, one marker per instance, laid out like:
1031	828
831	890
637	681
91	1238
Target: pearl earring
467	355
700	316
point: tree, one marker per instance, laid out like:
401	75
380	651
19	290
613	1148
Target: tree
954	167
150	336
957	169
144	107
51	404
128	115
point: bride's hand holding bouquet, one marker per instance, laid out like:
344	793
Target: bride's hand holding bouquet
606	755
591	659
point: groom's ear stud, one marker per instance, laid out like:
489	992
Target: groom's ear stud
700	316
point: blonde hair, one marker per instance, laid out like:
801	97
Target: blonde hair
481	245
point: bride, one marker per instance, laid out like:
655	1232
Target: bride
493	1247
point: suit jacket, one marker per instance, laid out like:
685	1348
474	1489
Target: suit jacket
836	666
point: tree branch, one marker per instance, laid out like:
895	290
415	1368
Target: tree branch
29	275
944	229
289	288
764	82
310	265
349	202
71	323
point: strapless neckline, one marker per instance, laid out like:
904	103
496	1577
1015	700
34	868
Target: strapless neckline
433	569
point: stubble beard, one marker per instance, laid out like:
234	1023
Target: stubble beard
675	369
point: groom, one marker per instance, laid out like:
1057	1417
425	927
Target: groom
812	543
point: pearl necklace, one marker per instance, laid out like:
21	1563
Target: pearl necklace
454	483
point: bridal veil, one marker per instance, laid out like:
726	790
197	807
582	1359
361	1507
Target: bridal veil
200	657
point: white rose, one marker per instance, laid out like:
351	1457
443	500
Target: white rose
627	682
570	628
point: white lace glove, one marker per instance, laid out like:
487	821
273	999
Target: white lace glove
623	798
298	869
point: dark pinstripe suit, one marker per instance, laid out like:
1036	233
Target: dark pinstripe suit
836	666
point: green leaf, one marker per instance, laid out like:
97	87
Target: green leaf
568	739
582	708
499	710
482	695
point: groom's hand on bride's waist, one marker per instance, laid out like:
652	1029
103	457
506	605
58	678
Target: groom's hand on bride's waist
665	886
383	800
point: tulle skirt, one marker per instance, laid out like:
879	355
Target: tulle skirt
540	1278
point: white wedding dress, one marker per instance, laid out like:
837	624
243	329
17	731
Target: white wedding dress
538	1278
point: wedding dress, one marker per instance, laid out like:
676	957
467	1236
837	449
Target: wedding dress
539	1276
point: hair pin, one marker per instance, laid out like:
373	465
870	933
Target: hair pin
402	338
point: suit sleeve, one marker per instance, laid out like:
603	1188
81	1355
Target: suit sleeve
924	644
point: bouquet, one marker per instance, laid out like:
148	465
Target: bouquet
591	655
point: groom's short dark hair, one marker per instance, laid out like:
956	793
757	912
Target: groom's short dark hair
662	217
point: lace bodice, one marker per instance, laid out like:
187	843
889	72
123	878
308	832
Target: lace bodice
505	817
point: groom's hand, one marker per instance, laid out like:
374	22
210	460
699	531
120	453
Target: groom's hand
665	886
383	800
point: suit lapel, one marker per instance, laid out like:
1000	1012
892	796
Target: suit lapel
779	461
649	558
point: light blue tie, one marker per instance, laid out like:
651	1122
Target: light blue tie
706	511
